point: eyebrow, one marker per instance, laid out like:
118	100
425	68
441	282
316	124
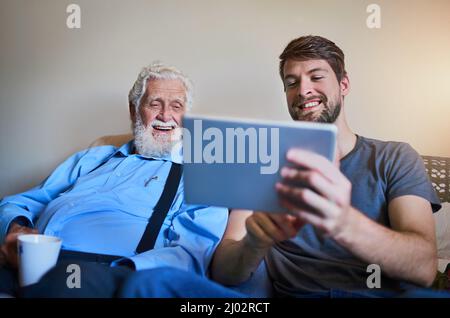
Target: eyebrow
159	99
317	69
181	101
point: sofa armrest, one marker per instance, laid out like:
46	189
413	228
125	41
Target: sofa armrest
115	140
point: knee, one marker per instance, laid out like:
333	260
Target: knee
89	280
157	282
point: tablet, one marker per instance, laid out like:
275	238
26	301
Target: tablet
235	163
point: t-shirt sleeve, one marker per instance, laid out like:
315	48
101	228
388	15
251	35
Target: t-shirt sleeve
406	175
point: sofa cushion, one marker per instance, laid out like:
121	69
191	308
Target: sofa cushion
442	221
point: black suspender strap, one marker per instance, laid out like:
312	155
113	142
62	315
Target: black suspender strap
161	209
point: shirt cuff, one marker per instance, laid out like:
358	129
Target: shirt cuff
8	213
137	262
127	262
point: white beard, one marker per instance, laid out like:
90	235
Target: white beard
150	146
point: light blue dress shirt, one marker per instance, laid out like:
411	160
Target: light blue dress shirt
100	200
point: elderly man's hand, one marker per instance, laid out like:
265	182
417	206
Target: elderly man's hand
316	191
8	249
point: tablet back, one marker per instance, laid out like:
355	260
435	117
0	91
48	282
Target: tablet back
235	163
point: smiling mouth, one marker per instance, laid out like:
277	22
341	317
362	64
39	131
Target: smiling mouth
163	128
310	104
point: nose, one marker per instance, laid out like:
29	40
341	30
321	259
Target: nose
165	114
305	88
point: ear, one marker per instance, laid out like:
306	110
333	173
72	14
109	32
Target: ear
345	85
132	112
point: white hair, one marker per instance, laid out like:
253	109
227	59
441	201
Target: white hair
158	70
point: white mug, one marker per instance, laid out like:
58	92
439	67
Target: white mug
37	254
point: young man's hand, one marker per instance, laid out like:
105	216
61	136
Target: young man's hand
8	250
316	191
265	229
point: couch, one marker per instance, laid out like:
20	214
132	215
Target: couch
438	169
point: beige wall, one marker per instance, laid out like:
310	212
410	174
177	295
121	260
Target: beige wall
60	88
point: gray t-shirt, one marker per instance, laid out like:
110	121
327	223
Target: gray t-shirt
379	172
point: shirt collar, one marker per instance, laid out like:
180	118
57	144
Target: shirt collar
128	149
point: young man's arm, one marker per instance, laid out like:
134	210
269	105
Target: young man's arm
407	251
246	241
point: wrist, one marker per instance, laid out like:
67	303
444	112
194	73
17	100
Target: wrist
346	232
18	223
253	244
14	227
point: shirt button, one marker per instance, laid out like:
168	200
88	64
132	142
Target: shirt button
118	174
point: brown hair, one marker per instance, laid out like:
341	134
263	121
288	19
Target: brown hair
314	47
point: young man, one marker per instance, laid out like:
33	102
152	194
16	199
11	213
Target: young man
118	206
372	206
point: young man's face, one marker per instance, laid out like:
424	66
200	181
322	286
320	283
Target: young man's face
313	92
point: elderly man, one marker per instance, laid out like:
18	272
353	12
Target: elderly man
120	207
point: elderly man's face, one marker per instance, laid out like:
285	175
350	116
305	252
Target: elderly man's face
159	117
165	101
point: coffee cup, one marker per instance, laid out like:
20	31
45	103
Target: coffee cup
37	255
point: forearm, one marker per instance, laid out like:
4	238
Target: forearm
235	261
401	255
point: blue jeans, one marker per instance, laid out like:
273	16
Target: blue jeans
102	281
168	282
8	281
410	293
96	281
